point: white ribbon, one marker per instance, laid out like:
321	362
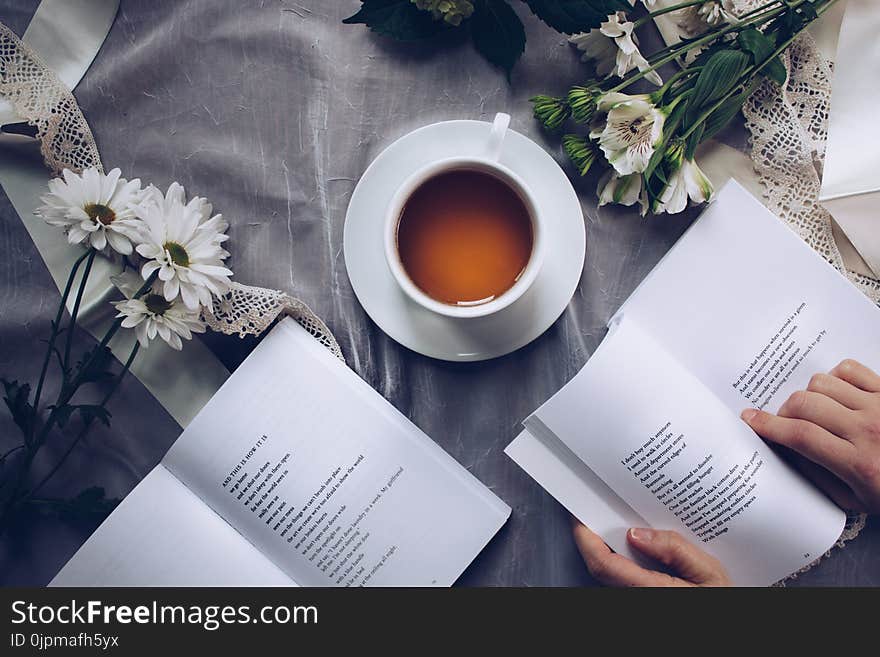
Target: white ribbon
67	34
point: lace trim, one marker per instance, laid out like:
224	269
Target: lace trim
40	97
66	142
247	310
855	523
788	130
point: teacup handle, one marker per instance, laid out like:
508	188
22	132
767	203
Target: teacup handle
496	137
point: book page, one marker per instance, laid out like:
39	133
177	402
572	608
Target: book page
682	460
326	478
163	535
745	305
580	490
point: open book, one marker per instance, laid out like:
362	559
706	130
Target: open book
740	313
295	473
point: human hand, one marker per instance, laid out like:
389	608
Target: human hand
692	566
834	429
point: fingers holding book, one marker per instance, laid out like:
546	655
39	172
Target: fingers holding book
834	426
690	565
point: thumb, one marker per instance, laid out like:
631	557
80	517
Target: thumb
688	561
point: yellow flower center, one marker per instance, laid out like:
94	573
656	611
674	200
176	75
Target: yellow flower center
157	304
177	253
100	214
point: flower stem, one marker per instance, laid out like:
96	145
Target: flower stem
685	72
54	335
681	46
673	54
748	80
9	452
73	313
87	425
678	49
64	397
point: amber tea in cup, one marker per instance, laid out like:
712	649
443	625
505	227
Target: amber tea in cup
464	237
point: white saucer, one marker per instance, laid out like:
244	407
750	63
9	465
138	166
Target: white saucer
463	339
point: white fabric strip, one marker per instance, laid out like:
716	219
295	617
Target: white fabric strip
67	34
851	178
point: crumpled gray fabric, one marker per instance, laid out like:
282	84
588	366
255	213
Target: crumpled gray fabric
273	110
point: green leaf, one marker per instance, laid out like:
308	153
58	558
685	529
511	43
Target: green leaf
694	140
653	163
62	414
17	401
722	116
792	21
398	19
89	412
717	78
498	33
808	12
705	54
775	70
761	47
95	364
573	16
754	41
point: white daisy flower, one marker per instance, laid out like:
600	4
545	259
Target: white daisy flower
622	190
614	48
177	194
153	315
94	208
633	127
182	241
688	182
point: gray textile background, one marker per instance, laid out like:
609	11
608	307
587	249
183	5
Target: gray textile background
272	110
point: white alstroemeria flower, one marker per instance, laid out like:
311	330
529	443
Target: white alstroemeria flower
93	207
622	190
695	20
183	243
153	315
614	48
688	181
597	48
717	12
632	129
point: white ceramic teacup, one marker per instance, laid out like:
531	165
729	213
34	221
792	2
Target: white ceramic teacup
486	164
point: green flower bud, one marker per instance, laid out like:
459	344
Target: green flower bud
550	111
582	101
580	151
